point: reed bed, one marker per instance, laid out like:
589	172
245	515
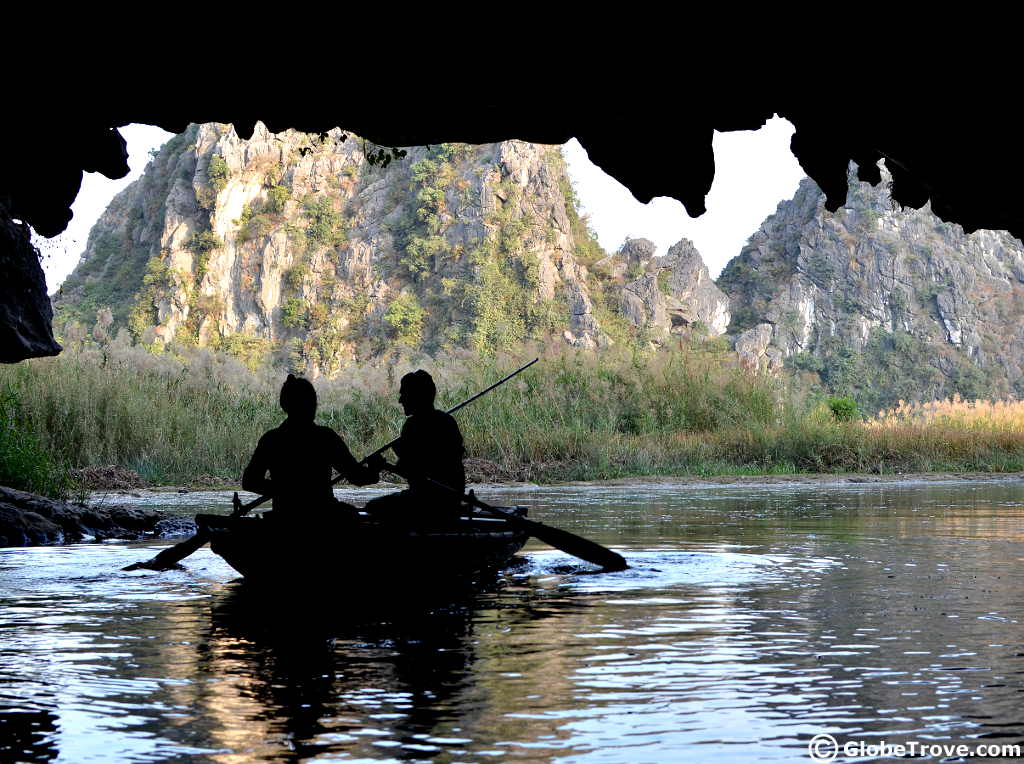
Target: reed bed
955	413
574	416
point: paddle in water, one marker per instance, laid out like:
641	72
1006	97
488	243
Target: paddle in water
170	557
570	543
567	542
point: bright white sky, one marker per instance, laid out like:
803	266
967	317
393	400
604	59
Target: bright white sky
61	253
754	171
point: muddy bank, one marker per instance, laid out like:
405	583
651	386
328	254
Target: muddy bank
30	520
827	478
356	495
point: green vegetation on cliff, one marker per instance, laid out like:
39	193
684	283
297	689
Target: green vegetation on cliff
112	275
881	303
892	367
480	293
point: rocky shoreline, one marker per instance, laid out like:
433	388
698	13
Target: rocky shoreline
30	520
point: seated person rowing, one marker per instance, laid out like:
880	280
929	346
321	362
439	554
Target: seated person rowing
430	452
299	455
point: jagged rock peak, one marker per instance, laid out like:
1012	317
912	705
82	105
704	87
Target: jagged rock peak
667	295
879	295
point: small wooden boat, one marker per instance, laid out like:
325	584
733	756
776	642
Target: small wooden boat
356	548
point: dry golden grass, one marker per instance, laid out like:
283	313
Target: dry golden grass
954	413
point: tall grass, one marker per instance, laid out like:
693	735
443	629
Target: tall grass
955	413
573	416
167	419
25	463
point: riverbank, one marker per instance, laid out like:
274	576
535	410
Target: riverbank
195	418
664	481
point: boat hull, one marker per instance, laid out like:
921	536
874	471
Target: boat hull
360	549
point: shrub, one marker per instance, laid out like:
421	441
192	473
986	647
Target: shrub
663	285
277	196
203	242
805	362
252	223
294	276
250	350
218	172
843	409
325	224
405	317
293	312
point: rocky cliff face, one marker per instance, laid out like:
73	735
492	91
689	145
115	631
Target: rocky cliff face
885	302
297	248
25	310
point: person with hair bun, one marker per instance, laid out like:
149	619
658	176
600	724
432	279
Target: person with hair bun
430	452
299	455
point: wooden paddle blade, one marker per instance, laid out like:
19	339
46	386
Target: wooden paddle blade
171	556
568	542
577	546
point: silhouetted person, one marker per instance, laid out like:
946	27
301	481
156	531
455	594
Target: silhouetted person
430	447
299	456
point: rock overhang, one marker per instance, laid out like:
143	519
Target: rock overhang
965	164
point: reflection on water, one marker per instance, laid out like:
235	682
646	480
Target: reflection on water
751	620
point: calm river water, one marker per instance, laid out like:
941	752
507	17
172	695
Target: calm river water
752	619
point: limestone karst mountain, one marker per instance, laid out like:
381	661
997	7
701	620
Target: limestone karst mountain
297	249
294	248
883	302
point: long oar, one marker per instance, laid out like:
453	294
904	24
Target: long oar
171	556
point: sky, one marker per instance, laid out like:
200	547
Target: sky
61	253
754	171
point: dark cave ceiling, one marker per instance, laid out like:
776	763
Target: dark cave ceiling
968	164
